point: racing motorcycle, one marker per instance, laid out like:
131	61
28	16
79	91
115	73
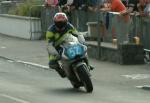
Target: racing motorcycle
74	62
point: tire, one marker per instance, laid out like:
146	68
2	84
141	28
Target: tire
85	79
75	85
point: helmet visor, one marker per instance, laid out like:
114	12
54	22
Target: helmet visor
60	24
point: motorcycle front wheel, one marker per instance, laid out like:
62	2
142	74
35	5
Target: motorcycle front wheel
85	78
75	85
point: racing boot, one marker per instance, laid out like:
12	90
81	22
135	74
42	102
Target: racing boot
91	67
60	71
55	65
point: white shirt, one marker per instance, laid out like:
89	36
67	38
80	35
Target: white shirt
69	2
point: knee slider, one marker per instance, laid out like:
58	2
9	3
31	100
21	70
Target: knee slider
53	64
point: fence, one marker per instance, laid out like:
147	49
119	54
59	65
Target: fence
5	6
124	29
78	18
111	25
47	15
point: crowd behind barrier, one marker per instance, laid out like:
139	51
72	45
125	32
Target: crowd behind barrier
125	31
112	25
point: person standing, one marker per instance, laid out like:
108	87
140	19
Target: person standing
114	6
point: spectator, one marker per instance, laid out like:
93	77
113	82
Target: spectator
147	9
101	3
117	6
51	3
83	5
131	5
69	3
74	5
114	6
141	7
62	2
65	6
92	5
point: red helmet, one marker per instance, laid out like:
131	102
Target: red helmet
60	20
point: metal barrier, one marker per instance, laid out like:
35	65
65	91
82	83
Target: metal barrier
116	26
78	18
106	27
146	33
35	24
5	6
111	25
146	39
47	15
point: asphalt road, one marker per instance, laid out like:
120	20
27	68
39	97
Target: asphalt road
20	83
23	83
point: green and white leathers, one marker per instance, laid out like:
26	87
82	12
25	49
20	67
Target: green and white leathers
55	37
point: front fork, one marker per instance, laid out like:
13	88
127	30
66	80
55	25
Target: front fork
78	67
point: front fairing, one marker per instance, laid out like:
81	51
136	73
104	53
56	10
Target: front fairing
72	44
70	41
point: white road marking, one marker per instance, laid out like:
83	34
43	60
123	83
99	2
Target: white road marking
14	98
10	61
143	87
140	86
34	64
137	76
3	47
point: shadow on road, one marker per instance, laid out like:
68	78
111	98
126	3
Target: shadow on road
66	91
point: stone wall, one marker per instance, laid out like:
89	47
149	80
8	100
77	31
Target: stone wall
126	54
